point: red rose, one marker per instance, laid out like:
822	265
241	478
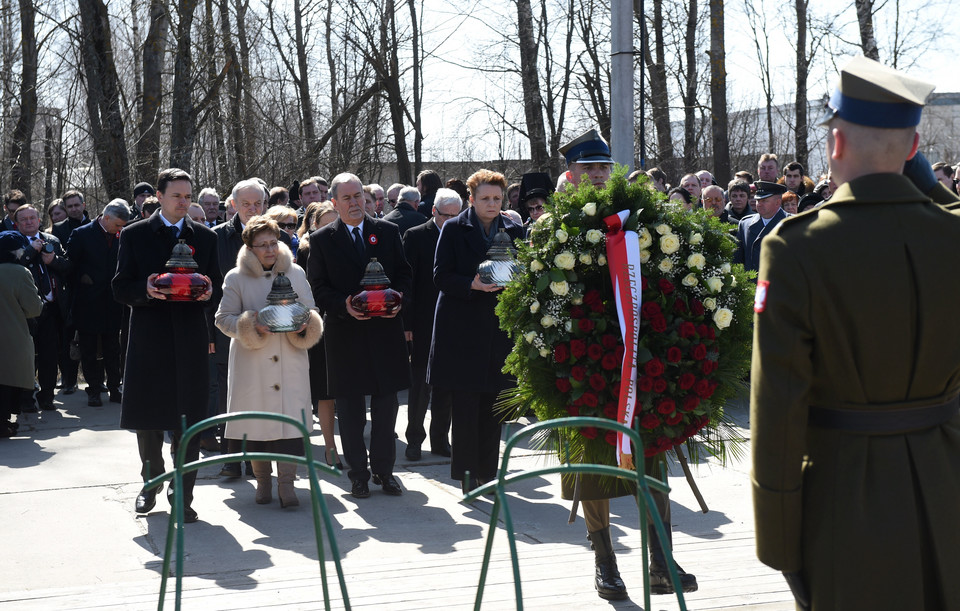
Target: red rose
666	406
711	334
618	353
649	451
686	381
563	385
645	384
578	372
576	312
589	432
561	353
578	348
665	286
609	341
651	309
590	399
701	330
597	382
650	422
615	389
643	283
610	362
653	368
592	297
674	419
690	403
679	307
595	352
699	352
696	306
713	388
708	367
674	354
578	402
573	410
659	324
687	329
597	307
611	438
702	388
610	411
659	386
586	325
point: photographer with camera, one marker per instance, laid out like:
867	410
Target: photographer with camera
49	265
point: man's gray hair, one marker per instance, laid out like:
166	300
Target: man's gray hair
409	194
340	179
208	191
246	184
118	209
374	186
446	197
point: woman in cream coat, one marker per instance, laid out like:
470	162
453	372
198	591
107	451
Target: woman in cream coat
268	371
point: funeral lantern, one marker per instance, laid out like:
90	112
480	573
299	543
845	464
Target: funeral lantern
500	265
181	282
377	298
283	312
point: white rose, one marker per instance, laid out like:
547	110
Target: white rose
561	235
536	266
715	284
689	280
577	300
586	259
548	321
696	238
590	208
665	266
594	236
644	238
723	317
568	326
530	336
669	244
725	268
534	307
710	303
664	229
560	288
544	352
644	256
565	260
696	261
601	260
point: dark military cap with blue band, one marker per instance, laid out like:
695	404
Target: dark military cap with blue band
768	189
587	148
874	95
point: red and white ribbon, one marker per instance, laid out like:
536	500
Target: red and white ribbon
623	258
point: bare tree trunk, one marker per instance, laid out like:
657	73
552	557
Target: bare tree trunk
20	161
865	18
690	95
336	155
219	155
249	128
659	96
388	38
418	89
800	99
235	129
103	98
148	144
530	80
6	74
48	164
556	117
306	105
718	94
183	120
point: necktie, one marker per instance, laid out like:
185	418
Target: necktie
358	240
175	231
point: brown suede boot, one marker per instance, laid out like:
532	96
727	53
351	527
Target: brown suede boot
263	471
286	474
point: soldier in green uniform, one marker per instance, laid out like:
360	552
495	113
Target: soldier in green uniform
856	371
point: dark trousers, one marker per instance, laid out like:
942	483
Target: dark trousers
217	398
150	444
596	514
68	366
352	416
476	436
9	402
47	330
422	394
94	369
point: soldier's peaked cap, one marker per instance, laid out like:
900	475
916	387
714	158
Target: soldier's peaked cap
768	189
587	148
874	95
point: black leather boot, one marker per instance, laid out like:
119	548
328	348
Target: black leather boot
659	574
607	581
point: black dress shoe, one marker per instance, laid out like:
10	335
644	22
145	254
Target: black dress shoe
413	453
116	396
389	484
660	580
69	390
146	500
47	405
443	450
209	444
189	515
94	401
360	489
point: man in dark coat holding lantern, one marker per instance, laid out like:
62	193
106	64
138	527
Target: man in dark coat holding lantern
365	356
166	364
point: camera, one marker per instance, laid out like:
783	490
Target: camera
47	247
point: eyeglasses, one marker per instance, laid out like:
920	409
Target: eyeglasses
537	208
287	225
447	216
267	246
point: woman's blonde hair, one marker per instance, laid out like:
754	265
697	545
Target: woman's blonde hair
485	177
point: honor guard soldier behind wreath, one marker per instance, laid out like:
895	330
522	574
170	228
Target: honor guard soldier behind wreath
856	370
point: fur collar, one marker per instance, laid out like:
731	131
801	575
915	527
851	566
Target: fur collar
249	265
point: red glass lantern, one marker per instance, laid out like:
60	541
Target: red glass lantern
181	282
377	298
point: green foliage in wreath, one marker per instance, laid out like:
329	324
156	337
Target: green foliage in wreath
695	330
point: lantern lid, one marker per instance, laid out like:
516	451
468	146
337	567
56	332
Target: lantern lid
281	291
182	256
502	247
374	274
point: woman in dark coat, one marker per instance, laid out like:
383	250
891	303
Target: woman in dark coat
469	349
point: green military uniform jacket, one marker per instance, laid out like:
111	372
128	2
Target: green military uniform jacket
862	312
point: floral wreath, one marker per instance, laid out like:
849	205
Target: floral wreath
695	320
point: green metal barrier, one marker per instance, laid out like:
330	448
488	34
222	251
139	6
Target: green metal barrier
644	500
318	504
